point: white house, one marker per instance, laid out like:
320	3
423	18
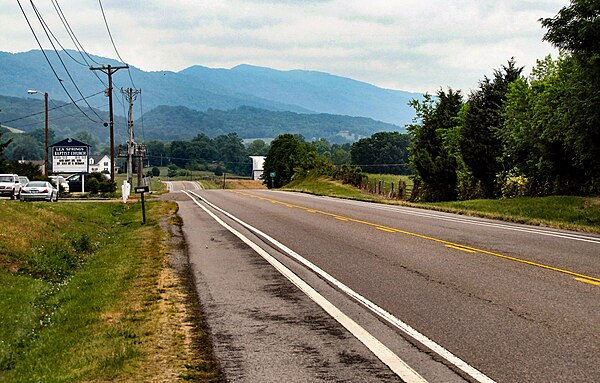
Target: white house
258	163
100	164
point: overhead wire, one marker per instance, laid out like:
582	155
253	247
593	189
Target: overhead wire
113	43
74	39
43	111
60	81
44	27
71	33
52	119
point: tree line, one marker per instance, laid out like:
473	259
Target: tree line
516	135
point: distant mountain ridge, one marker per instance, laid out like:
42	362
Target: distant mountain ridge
169	123
201	88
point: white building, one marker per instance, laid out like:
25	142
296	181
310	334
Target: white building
258	163
100	164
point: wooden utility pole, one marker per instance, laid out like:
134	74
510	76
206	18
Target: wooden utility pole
109	70
46	135
131	95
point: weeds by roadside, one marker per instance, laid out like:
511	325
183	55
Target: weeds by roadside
87	294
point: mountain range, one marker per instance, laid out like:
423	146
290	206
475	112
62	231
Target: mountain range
246	89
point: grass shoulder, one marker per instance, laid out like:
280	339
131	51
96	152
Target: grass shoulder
87	294
563	212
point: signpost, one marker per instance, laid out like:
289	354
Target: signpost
142	190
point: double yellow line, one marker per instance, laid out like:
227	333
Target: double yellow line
577	276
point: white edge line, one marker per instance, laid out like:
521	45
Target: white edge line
382	313
405	210
387	356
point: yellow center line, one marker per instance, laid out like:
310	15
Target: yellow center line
460	248
578	276
585	280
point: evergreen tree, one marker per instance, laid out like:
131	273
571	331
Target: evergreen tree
433	164
480	145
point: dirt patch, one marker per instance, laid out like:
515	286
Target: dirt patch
245	184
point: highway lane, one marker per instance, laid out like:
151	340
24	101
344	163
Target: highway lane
517	303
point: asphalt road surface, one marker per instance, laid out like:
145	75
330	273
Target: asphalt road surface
304	289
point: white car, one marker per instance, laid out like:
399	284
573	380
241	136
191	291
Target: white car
39	190
10	186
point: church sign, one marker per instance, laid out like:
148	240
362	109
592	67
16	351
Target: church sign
70	156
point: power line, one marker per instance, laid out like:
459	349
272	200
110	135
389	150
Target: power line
72	33
43	24
51	119
49	63
113	43
74	38
42	112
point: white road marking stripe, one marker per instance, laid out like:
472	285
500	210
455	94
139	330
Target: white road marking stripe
409	211
400	325
387	356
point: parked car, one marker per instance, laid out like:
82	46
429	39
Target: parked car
39	190
75	183
60	183
10	186
23	180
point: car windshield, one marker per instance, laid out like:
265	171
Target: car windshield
6	179
37	184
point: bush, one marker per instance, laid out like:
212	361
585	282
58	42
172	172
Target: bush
513	184
98	183
155	172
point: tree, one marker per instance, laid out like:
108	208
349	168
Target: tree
86	137
232	152
257	148
157	153
551	134
3	145
479	141
576	28
383	152
430	158
289	154
24	147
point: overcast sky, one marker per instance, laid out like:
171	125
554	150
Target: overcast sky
414	45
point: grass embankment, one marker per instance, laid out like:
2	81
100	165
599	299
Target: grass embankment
565	212
86	294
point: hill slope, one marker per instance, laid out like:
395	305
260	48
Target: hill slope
168	123
202	88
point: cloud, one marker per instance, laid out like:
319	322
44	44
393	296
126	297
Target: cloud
404	44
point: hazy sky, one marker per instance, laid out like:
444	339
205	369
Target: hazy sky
415	45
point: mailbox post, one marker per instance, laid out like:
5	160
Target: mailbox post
142	190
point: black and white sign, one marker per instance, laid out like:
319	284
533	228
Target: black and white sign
70	159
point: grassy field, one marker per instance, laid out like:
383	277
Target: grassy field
564	212
568	212
86	294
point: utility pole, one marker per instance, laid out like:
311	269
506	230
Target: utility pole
131	95
46	135
109	70
140	152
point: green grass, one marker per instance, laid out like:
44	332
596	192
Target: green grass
388	179
326	187
565	212
79	293
569	212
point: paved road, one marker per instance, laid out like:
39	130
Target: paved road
452	297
